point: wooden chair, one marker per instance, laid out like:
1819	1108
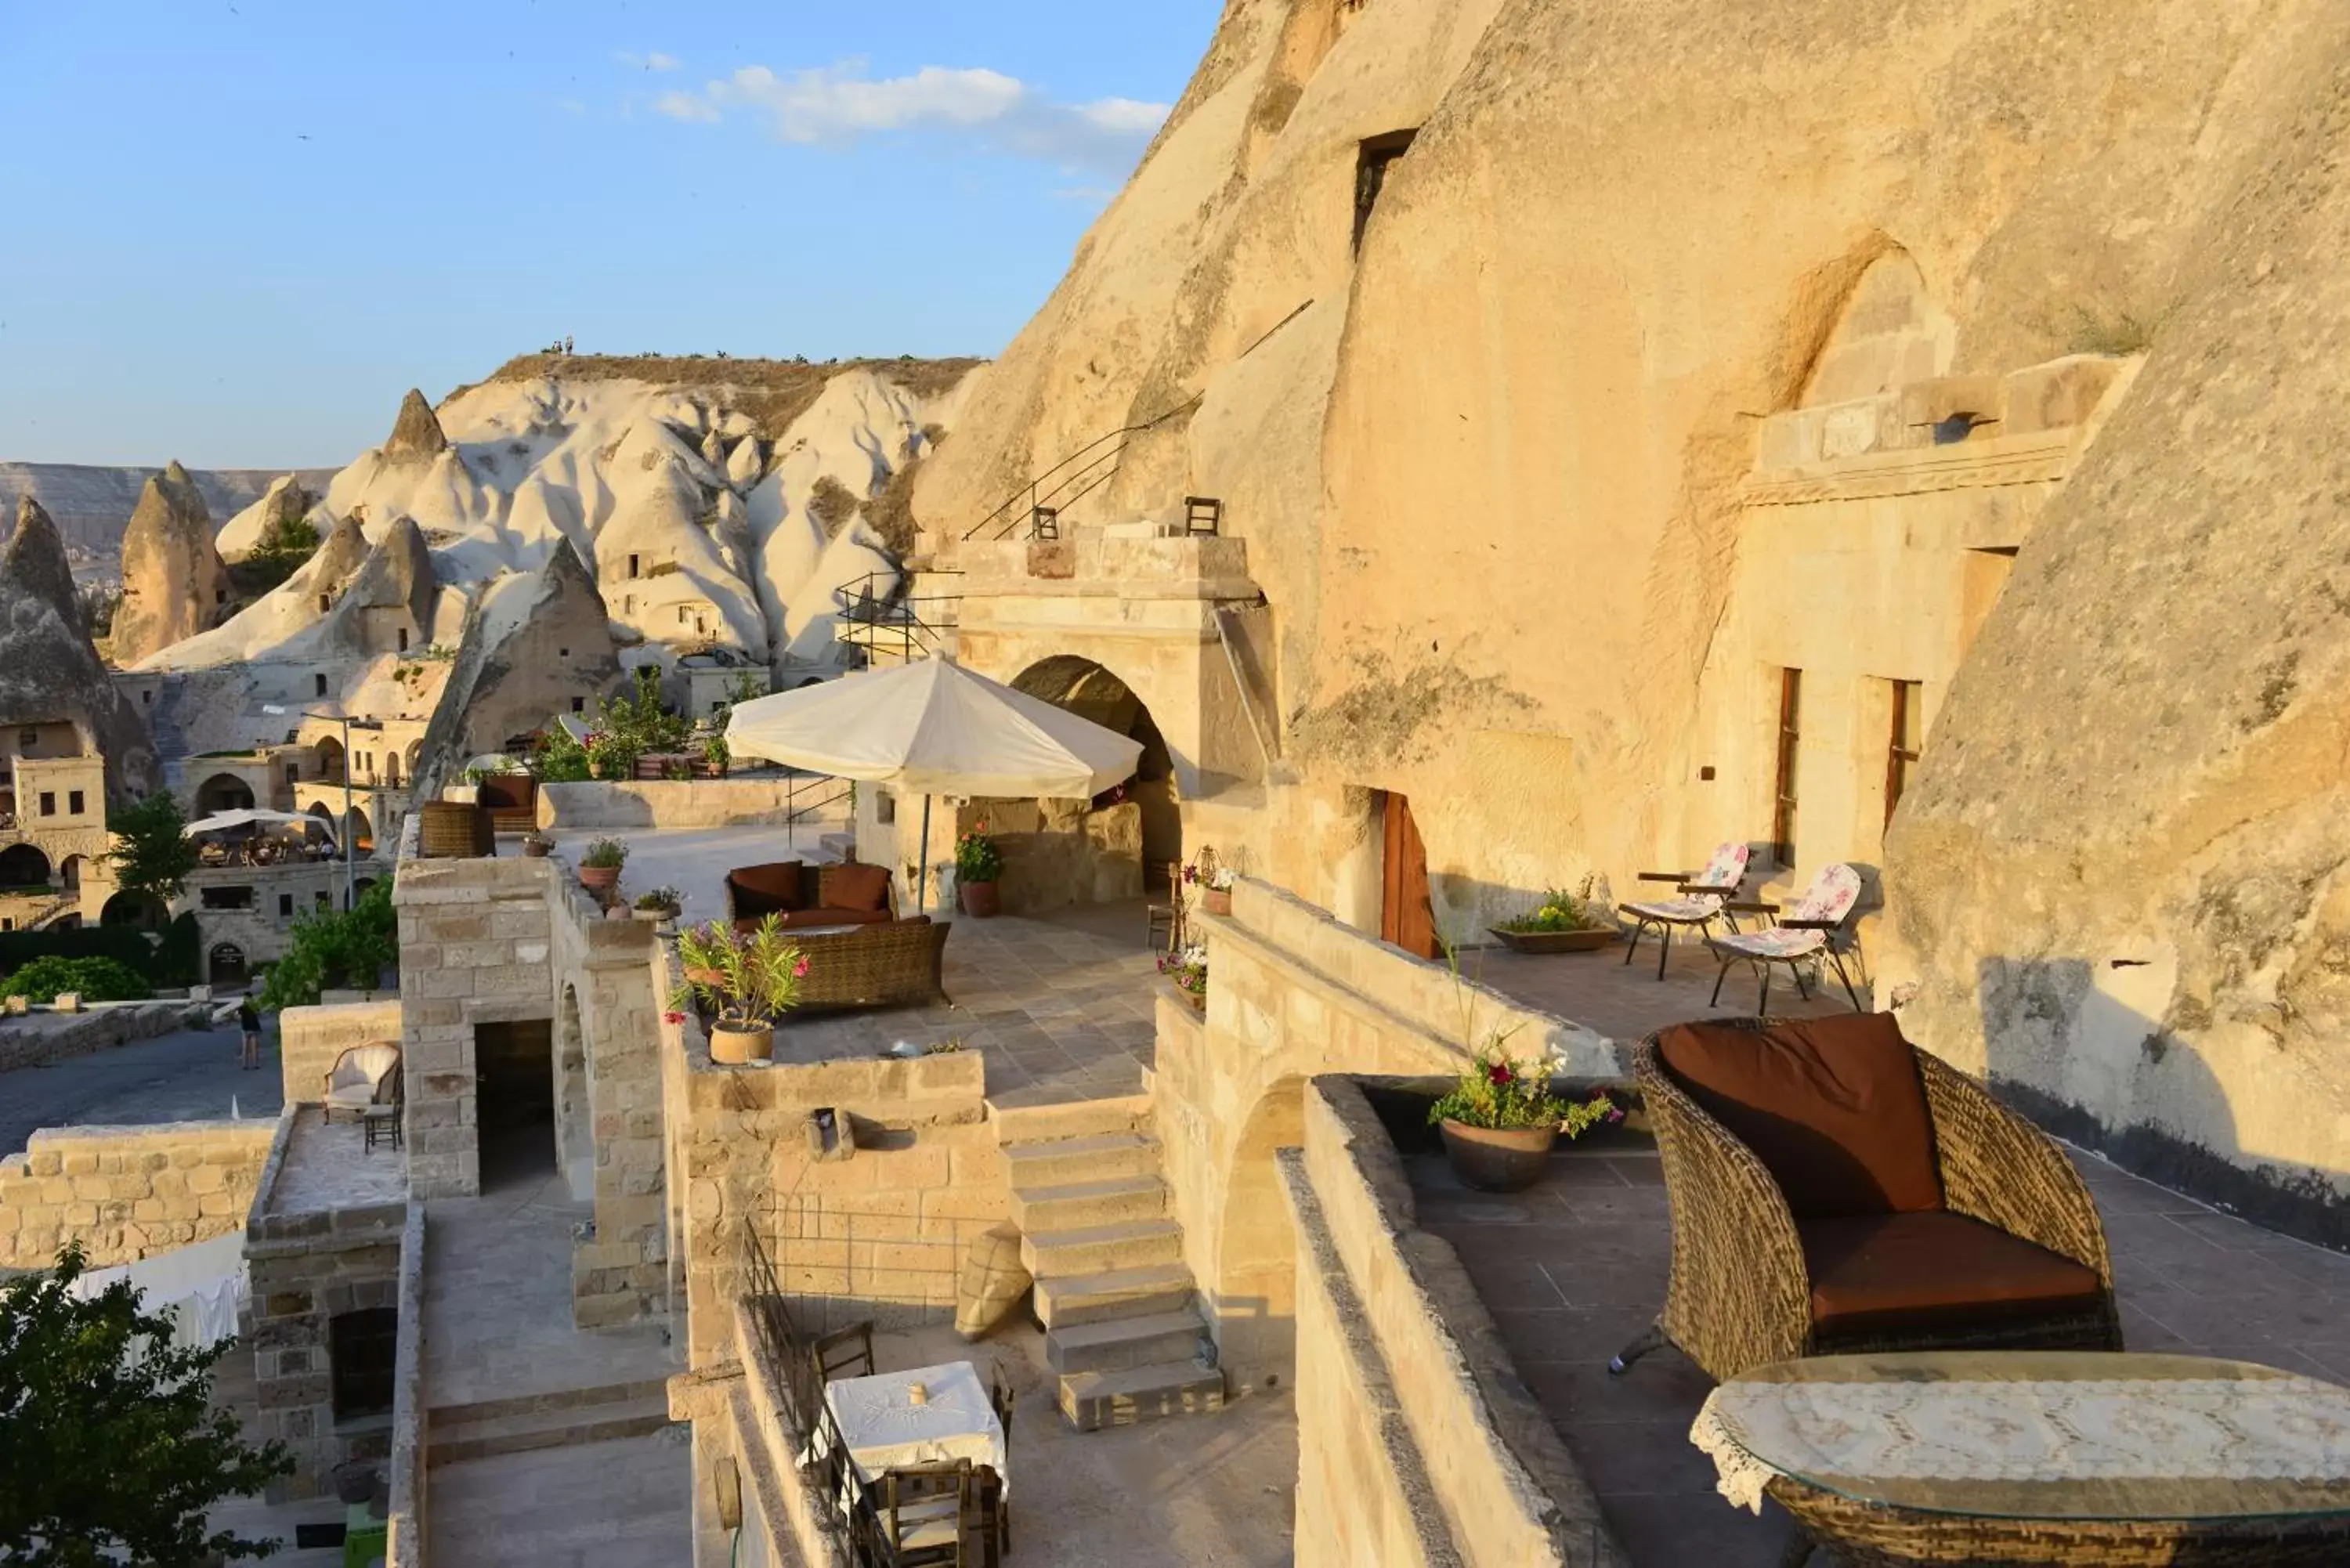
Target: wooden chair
1166	930
926	1511
844	1352
1834	1190
994	1516
994	1503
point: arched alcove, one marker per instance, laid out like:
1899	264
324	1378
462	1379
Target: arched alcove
1093	692
223	792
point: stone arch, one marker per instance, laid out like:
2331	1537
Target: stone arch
223	792
361	831
1255	1287
330	759
143	910
1092	691
575	1118
391	768
69	872
225	965
24	865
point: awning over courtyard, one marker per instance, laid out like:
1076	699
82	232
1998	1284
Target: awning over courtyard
256	819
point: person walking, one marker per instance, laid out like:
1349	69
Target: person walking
248	1019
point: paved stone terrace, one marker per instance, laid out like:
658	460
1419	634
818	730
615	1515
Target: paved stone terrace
1627	1001
1062	1007
1575	1266
328	1166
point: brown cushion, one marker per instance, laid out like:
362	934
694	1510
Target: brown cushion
805	919
765	889
852	885
1901	1272
507	792
1833	1106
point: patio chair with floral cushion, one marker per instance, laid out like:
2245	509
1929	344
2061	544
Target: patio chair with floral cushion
1705	898
1835	1190
1815	932
362	1078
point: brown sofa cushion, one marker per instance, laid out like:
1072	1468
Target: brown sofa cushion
1833	1106
765	889
1905	1272
853	886
507	792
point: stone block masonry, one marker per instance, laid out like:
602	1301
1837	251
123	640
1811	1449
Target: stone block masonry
312	1038
473	948
30	1039
127	1193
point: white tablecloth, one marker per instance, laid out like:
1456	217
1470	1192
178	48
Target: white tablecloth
884	1427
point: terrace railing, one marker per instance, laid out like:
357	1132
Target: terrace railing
878	616
1038	504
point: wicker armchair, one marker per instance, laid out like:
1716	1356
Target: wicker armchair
894	964
1743	1291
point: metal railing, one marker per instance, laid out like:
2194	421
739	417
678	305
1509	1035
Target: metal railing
877	619
1069	480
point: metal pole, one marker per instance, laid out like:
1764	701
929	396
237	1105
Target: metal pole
921	888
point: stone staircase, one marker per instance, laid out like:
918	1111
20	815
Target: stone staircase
1123	1327
455	1433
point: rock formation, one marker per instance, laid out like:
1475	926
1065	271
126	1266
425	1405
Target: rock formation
416	434
173	581
49	670
1488	407
285	502
530	646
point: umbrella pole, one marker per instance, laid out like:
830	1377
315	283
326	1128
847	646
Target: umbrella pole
921	888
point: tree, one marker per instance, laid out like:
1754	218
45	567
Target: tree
110	1446
289	542
336	948
153	853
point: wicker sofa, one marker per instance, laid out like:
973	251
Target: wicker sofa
1834	1190
895	964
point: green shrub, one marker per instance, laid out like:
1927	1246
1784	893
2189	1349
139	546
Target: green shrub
336	948
95	979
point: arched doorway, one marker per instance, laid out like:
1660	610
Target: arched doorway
223	792
1091	691
70	870
225	964
330	759
391	769
362	832
141	912
21	866
1255	1298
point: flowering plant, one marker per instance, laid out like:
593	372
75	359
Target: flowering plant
1214	879
1561	910
750	978
1188	968
977	858
1498	1093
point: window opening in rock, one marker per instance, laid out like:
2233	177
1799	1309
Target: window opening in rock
1373	159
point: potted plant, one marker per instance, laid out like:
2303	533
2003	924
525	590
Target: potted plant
1501	1119
748	980
600	867
660	904
1564	922
1186	969
979	863
613	756
1215	884
715	755
537	842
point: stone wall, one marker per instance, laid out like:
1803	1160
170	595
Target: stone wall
875	1229
30	1039
1408	1372
474	948
608	1107
127	1192
406	1514
1294	993
758	801
310	1040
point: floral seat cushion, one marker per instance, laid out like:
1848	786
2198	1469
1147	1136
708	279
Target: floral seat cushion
1725	870
1830	897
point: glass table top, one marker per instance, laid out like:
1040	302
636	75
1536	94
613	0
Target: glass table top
2054	1434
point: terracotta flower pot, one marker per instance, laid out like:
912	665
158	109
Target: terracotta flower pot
1498	1159
734	1043
536	848
1216	902
979	900
600	879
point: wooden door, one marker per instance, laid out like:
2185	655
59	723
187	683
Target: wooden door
1406	916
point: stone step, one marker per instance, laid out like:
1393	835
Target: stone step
1101	1249
1016	1125
1118	1345
1092	1400
560	1427
1082	1203
1121	1293
441	1418
1096	1159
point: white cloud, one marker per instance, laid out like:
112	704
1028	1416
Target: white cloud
838	103
656	61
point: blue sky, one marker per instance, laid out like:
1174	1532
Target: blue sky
237	229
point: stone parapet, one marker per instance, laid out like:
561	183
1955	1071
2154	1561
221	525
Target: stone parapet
311	1039
678	803
32	1038
405	1516
127	1192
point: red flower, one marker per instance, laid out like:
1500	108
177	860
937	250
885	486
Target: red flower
799	969
1499	1073
673	1018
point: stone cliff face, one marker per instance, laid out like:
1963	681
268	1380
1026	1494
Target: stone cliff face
172	577
49	670
1492	440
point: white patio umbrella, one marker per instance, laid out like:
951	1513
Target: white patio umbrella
934	728
227	821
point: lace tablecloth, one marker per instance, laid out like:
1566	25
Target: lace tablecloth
884	1427
2198	1437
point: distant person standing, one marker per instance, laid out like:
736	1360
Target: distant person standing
248	1019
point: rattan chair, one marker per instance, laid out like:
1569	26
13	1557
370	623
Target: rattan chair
1741	1293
